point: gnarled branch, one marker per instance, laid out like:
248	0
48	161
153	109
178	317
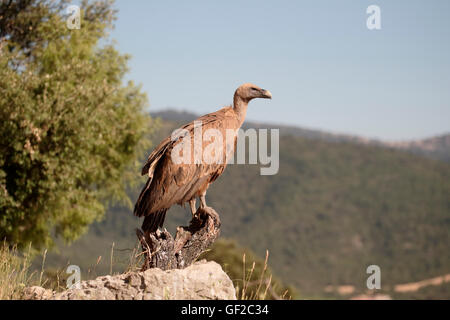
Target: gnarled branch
162	251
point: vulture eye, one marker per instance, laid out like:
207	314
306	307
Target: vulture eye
255	89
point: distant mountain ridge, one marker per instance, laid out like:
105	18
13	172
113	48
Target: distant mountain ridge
435	147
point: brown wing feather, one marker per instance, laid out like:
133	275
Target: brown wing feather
170	183
167	143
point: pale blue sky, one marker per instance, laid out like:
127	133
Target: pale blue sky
325	69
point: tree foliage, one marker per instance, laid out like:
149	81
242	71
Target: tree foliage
69	126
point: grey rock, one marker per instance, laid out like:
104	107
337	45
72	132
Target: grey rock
201	280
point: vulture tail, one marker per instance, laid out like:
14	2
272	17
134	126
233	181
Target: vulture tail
141	206
153	221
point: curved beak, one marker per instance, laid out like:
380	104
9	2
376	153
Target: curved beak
266	94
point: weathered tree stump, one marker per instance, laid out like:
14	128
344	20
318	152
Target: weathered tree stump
162	251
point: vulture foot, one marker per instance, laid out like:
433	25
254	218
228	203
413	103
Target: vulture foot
208	211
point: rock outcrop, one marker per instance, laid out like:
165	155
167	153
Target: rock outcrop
201	280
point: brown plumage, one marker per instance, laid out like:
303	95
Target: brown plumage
172	183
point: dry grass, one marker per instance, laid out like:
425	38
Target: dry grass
263	283
16	275
14	272
136	259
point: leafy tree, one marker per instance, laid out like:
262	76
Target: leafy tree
70	128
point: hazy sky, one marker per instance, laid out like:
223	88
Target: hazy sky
325	69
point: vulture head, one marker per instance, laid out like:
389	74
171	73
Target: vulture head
249	91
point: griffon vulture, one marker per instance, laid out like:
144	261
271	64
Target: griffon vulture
171	182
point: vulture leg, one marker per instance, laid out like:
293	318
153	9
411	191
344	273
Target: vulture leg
192	205
203	201
209	211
